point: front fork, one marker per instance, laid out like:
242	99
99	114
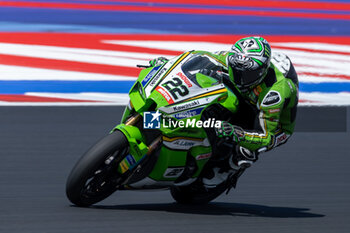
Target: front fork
131	121
138	149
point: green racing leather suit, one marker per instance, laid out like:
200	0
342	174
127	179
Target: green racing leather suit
274	101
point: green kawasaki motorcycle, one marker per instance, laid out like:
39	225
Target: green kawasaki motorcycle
166	138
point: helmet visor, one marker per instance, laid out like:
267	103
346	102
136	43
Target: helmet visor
246	78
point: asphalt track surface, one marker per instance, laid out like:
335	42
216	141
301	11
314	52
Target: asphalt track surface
302	186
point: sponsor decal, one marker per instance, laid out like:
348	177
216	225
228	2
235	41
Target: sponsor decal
272	98
124	167
186	105
185	79
151	120
188	114
184	143
281	138
257	90
155	80
203	156
173	172
274	110
150	75
130	159
273	119
165	94
181	143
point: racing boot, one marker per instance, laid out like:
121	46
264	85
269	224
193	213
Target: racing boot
217	175
243	158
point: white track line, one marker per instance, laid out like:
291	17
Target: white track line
105	57
28	73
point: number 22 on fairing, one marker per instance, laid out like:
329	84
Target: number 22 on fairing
176	86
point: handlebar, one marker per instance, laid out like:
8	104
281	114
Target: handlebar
143	66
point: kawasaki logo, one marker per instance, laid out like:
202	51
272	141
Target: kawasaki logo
186	106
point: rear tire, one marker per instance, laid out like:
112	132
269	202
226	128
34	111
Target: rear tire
196	193
90	181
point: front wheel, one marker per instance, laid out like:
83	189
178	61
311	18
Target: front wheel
95	176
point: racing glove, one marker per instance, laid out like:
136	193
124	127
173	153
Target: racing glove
212	73
228	131
158	61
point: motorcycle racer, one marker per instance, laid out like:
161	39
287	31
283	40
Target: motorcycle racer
267	88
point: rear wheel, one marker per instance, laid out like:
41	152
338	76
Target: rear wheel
196	193
95	176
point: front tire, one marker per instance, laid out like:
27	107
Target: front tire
90	181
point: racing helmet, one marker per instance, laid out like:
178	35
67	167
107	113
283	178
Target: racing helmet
248	62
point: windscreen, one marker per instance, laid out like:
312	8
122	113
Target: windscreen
198	63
